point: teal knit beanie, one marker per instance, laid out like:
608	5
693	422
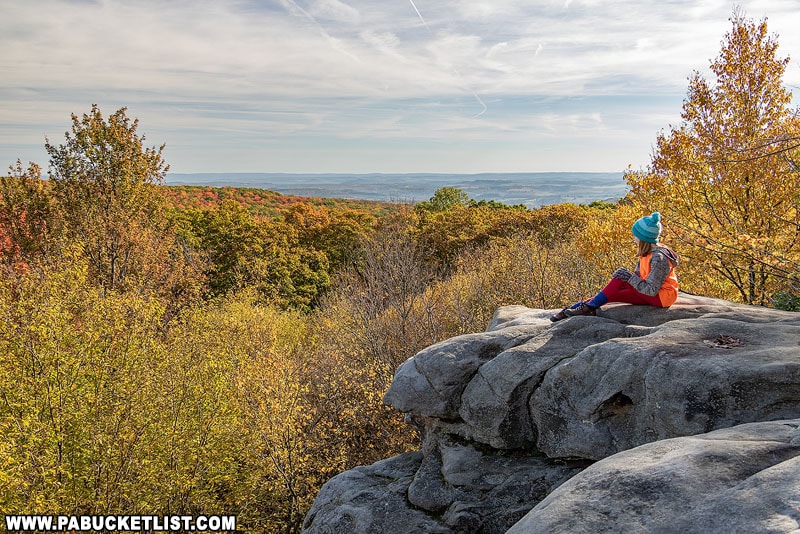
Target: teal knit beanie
647	229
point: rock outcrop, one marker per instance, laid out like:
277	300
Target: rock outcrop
455	488
741	479
510	414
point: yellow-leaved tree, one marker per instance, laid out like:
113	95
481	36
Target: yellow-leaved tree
106	195
723	179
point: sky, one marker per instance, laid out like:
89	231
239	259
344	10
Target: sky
368	86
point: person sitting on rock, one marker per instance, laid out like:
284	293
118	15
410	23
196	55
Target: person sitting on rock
653	282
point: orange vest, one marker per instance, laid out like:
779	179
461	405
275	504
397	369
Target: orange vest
668	293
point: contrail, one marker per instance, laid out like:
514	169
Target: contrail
478	98
292	7
419	14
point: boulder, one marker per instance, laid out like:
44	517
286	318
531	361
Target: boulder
742	479
588	387
451	364
685	377
371	499
454	488
509	415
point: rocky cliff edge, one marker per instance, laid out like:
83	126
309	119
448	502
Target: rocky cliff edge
583	425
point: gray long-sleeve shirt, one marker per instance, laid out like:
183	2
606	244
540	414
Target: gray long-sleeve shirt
662	260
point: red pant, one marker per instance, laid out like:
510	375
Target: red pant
619	291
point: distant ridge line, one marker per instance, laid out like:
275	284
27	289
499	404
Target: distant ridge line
532	189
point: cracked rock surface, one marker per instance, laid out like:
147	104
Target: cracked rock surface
742	479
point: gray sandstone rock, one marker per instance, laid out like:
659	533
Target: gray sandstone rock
510	414
493	405
672	382
371	500
743	479
589	387
431	382
455	488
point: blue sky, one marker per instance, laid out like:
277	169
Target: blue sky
358	86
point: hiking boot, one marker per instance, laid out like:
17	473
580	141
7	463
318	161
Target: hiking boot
583	309
559	316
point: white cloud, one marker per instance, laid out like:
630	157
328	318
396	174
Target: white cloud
336	11
384	42
313	71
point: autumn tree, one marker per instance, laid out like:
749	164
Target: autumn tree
339	233
246	251
379	295
444	199
27	223
104	181
724	180
77	374
451	223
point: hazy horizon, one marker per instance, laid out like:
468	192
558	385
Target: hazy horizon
532	189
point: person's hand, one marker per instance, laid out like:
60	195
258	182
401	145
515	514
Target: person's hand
622	274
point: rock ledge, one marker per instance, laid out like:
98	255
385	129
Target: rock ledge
574	392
